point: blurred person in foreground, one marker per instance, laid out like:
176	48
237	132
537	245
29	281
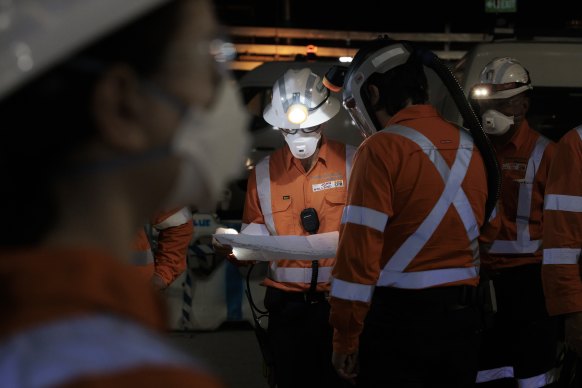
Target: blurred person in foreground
112	111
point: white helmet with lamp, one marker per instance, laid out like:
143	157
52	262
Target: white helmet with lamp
501	78
300	100
300	103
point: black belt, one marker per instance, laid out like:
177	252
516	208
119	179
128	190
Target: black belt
447	298
304	297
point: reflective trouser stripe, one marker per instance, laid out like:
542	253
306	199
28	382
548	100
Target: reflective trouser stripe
564	203
298	275
181	217
523	244
504	372
264	192
351	291
561	255
452	194
507	372
539	381
142	257
57	353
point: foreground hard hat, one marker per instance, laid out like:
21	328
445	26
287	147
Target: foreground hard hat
37	34
300	100
501	78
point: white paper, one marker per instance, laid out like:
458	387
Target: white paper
268	248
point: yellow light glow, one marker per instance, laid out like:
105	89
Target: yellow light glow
480	92
297	113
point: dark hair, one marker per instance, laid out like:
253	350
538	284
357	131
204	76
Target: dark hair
400	85
45	121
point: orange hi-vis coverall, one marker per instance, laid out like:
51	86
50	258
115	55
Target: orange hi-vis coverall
169	260
412	220
80	318
563	228
521	343
279	189
525	164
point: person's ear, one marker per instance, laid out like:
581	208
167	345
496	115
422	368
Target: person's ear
118	106
374	94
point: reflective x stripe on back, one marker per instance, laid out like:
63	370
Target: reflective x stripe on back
60	352
350	151
393	273
523	244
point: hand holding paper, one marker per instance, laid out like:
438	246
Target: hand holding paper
268	248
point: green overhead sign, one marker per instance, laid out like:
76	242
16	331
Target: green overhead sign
496	6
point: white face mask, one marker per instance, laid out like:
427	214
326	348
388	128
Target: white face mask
496	123
213	145
302	145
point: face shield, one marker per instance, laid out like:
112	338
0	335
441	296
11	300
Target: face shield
379	61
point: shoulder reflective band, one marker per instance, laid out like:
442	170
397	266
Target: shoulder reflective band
54	354
264	192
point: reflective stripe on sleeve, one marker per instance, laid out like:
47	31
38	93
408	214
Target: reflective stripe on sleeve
181	217
561	256
424	279
60	352
298	275
351	291
360	215
565	203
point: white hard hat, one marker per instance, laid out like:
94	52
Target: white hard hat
501	78
300	100
37	34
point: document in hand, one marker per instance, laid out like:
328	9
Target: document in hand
268	248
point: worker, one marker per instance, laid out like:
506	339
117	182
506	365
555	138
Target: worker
108	115
162	264
562	240
299	189
403	296
521	345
